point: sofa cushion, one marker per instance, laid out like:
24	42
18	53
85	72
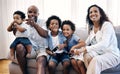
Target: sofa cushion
82	33
117	31
118	38
114	69
31	63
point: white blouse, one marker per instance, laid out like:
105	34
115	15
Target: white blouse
104	40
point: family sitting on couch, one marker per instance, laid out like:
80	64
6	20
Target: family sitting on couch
50	45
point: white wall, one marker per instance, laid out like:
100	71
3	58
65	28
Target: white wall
3	32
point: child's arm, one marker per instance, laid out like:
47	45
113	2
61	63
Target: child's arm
48	51
39	29
10	27
77	52
77	46
61	46
19	28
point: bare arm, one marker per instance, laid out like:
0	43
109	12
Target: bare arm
79	45
19	28
40	30
10	27
14	25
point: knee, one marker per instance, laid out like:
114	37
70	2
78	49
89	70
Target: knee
66	64
52	65
73	61
19	49
41	60
80	63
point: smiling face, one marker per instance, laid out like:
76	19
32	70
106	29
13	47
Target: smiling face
33	12
17	18
67	31
54	26
94	14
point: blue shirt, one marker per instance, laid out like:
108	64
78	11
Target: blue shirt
61	38
72	41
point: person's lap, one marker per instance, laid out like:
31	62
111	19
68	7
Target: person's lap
59	58
104	61
37	53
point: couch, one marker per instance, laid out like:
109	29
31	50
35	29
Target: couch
14	67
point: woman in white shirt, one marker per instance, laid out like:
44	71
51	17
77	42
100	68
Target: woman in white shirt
101	51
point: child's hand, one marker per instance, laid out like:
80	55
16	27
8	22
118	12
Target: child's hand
71	51
53	54
79	51
61	46
15	25
48	51
76	52
12	23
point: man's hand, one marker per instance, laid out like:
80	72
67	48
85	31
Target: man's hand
30	21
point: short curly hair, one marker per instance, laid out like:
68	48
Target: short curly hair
68	22
51	18
22	15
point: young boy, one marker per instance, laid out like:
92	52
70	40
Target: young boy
73	43
20	31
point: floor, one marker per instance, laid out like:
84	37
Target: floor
4	66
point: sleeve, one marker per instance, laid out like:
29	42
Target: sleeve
107	31
27	27
76	38
23	25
